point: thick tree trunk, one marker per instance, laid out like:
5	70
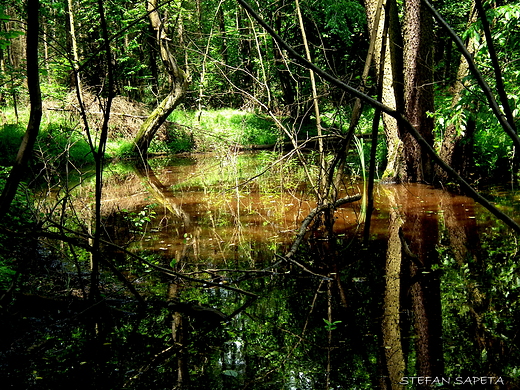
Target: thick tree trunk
392	88
178	85
418	84
33	126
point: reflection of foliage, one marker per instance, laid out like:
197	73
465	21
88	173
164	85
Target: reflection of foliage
481	304
278	177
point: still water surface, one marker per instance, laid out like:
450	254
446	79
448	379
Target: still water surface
430	299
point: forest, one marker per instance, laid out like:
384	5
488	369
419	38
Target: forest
220	194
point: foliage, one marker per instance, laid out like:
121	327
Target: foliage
344	19
331	325
60	144
10	138
142	218
493	153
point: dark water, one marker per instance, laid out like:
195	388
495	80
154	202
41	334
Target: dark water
431	300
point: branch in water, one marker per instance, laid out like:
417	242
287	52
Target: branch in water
306	222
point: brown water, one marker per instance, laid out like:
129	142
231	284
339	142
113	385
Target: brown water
216	221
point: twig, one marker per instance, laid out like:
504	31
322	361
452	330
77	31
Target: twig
312	215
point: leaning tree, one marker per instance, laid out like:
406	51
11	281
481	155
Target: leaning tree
177	81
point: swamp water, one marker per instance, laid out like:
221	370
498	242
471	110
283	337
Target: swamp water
431	300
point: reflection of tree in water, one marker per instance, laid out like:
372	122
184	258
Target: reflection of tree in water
463	241
391	323
421	231
161	193
411	283
381	304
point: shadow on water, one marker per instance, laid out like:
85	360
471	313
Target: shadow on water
431	300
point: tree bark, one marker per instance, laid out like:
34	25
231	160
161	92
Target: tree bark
177	80
33	126
418	93
392	88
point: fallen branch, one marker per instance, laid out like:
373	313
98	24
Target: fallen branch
306	222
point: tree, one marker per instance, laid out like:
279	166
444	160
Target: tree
177	84
407	161
426	146
33	126
392	88
12	49
418	89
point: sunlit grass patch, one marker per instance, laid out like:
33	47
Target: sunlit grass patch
227	127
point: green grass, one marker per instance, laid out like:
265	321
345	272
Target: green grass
227	127
11	135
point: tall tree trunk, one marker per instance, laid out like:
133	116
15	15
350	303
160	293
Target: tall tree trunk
33	126
177	81
418	93
321	182
283	72
223	35
246	80
152	58
73	46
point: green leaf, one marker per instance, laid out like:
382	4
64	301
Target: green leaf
232	373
